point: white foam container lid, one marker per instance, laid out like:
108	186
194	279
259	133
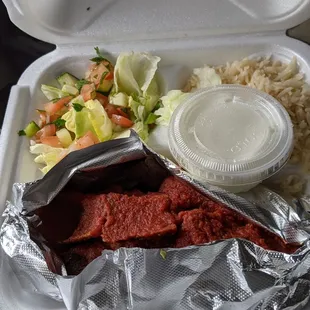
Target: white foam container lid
181	32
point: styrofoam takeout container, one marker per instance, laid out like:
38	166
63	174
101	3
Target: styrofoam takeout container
185	34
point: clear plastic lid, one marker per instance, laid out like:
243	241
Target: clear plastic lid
231	135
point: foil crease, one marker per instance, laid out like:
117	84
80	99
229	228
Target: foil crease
229	274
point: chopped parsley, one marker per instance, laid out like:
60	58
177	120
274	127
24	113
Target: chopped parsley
99	57
59	122
22	133
77	107
157	106
151	119
104	74
80	83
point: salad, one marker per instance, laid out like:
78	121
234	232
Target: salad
103	105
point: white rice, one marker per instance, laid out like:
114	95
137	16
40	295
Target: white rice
285	83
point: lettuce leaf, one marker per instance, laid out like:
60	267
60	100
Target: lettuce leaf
51	92
135	76
137	107
134	72
169	104
142	130
99	119
70	116
92	117
207	77
83	123
47	155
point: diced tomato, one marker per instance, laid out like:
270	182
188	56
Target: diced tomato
92	136
44	118
53	107
88	92
109	76
46	131
53	118
51	141
97	72
121	112
87	140
109	108
121	121
91	68
104	100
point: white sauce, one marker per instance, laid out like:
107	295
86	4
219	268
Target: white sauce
230	130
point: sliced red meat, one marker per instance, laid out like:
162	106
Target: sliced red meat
183	196
228	217
250	231
78	256
276	243
202	226
130	217
196	228
90	224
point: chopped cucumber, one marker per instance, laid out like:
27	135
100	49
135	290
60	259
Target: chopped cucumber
70	90
105	85
67	79
51	92
120	99
31	129
64	137
80	83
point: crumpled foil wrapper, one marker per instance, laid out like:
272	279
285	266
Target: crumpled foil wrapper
229	274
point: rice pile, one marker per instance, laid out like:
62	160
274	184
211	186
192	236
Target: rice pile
285	83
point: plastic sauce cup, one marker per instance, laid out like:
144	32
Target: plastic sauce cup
231	136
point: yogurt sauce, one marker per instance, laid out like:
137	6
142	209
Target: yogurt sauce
231	136
230	130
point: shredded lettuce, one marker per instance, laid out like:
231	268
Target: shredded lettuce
207	77
169	104
136	107
47	155
134	76
83	123
142	130
100	121
120	135
51	92
120	99
134	72
69	117
92	117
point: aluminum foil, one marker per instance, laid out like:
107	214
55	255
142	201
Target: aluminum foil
229	274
